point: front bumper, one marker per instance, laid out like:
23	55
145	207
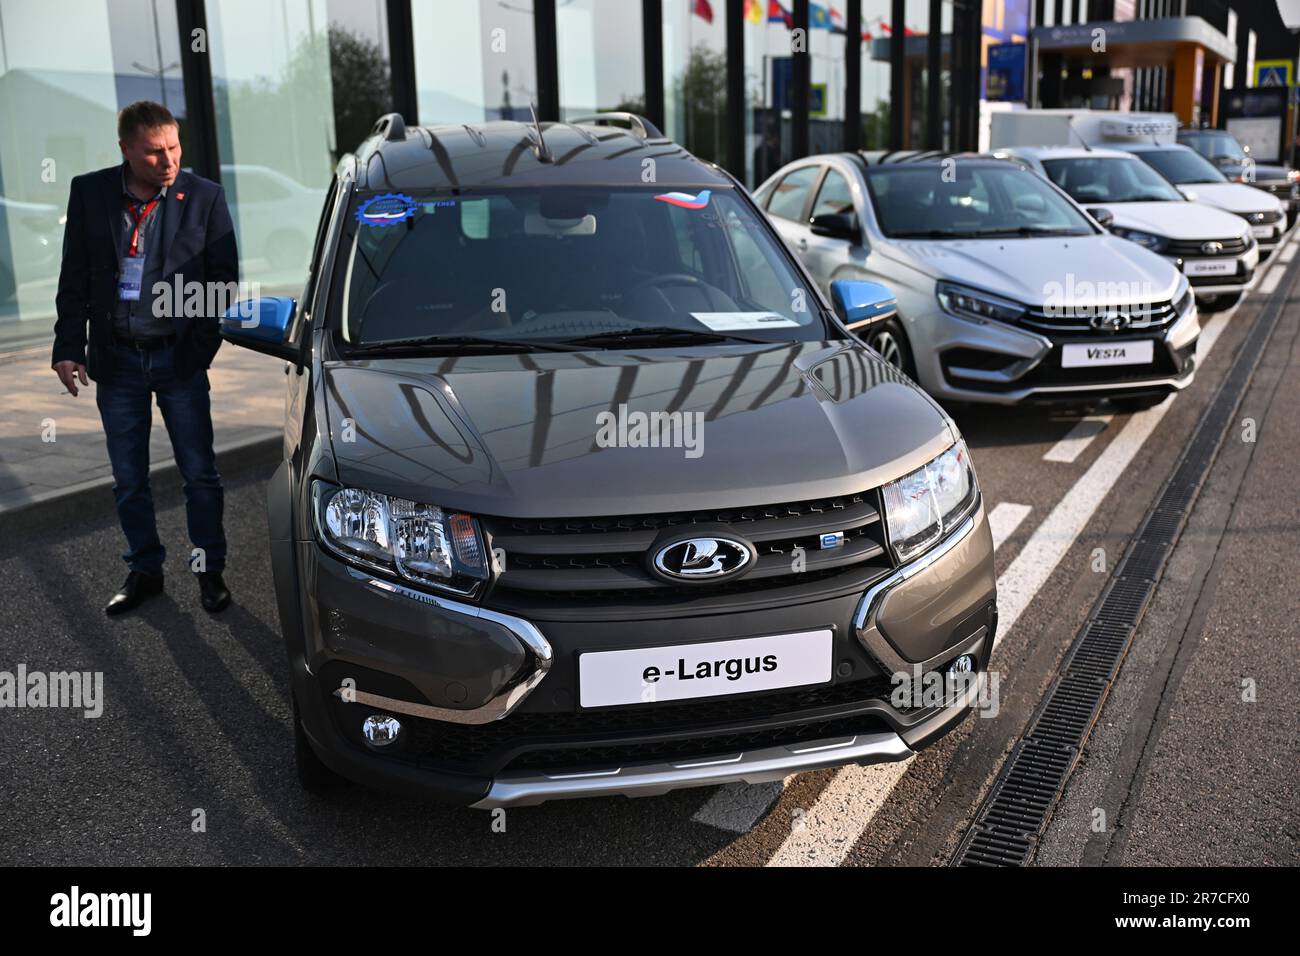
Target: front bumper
1239	280
999	363
537	745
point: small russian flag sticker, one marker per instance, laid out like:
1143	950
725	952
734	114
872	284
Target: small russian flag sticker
685	200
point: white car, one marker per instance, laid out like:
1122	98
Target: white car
1007	291
1201	181
1214	249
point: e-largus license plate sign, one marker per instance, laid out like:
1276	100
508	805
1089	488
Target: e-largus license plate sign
709	669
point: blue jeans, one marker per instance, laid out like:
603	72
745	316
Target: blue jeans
124	406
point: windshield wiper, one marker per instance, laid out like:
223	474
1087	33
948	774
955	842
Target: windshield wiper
474	341
662	333
933	234
1031	231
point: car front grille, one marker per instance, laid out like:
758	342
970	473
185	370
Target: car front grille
567	559
1134	317
677	729
1193	248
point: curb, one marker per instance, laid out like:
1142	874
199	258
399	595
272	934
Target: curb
54	507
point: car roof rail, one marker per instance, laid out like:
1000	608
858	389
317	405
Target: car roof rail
641	127
391	127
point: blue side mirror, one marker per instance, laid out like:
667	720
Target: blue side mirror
261	325
861	304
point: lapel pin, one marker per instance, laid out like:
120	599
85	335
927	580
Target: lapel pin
180	196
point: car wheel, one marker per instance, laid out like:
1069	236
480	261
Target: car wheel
1219	303
313	775
889	339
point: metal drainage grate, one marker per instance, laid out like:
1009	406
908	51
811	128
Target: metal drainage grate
1015	813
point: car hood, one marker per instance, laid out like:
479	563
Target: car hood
1176	220
1234	197
1080	269
521	435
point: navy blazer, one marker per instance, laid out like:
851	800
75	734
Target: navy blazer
198	243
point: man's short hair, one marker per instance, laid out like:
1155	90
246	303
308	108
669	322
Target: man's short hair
143	114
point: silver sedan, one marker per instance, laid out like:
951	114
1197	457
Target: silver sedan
1007	291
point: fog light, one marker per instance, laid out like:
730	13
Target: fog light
962	665
380	730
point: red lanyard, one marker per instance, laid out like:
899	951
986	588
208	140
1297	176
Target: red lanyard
139	217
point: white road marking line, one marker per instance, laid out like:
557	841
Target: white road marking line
1287	253
738	806
844	810
1078	438
824	835
1004	519
1210	333
1271	280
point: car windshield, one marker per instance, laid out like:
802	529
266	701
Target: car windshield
1090	179
1220	148
526	268
968	200
1182	167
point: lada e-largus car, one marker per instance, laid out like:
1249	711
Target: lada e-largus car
1221	148
1214	249
1199	180
1007	291
588	490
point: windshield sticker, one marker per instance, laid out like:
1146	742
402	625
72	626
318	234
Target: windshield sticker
686	200
386	210
738	321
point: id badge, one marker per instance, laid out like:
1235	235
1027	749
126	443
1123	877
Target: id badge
130	277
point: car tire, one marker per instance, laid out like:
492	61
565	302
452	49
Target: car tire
1220	303
889	339
313	775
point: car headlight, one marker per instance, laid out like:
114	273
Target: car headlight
416	541
922	507
1184	297
973	304
1144	239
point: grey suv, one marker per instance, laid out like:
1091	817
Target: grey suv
588	490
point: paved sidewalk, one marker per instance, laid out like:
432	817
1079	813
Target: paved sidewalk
247	407
1194	757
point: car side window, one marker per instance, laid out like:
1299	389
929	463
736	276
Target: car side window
318	253
791	193
834	196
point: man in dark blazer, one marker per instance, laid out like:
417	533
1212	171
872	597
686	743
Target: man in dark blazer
136	234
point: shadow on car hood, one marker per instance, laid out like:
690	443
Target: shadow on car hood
528	435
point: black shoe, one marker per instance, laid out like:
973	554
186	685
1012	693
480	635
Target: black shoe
213	593
137	587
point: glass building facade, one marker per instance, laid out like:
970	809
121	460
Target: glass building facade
269	93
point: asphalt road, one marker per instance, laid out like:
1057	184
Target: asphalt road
196	718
